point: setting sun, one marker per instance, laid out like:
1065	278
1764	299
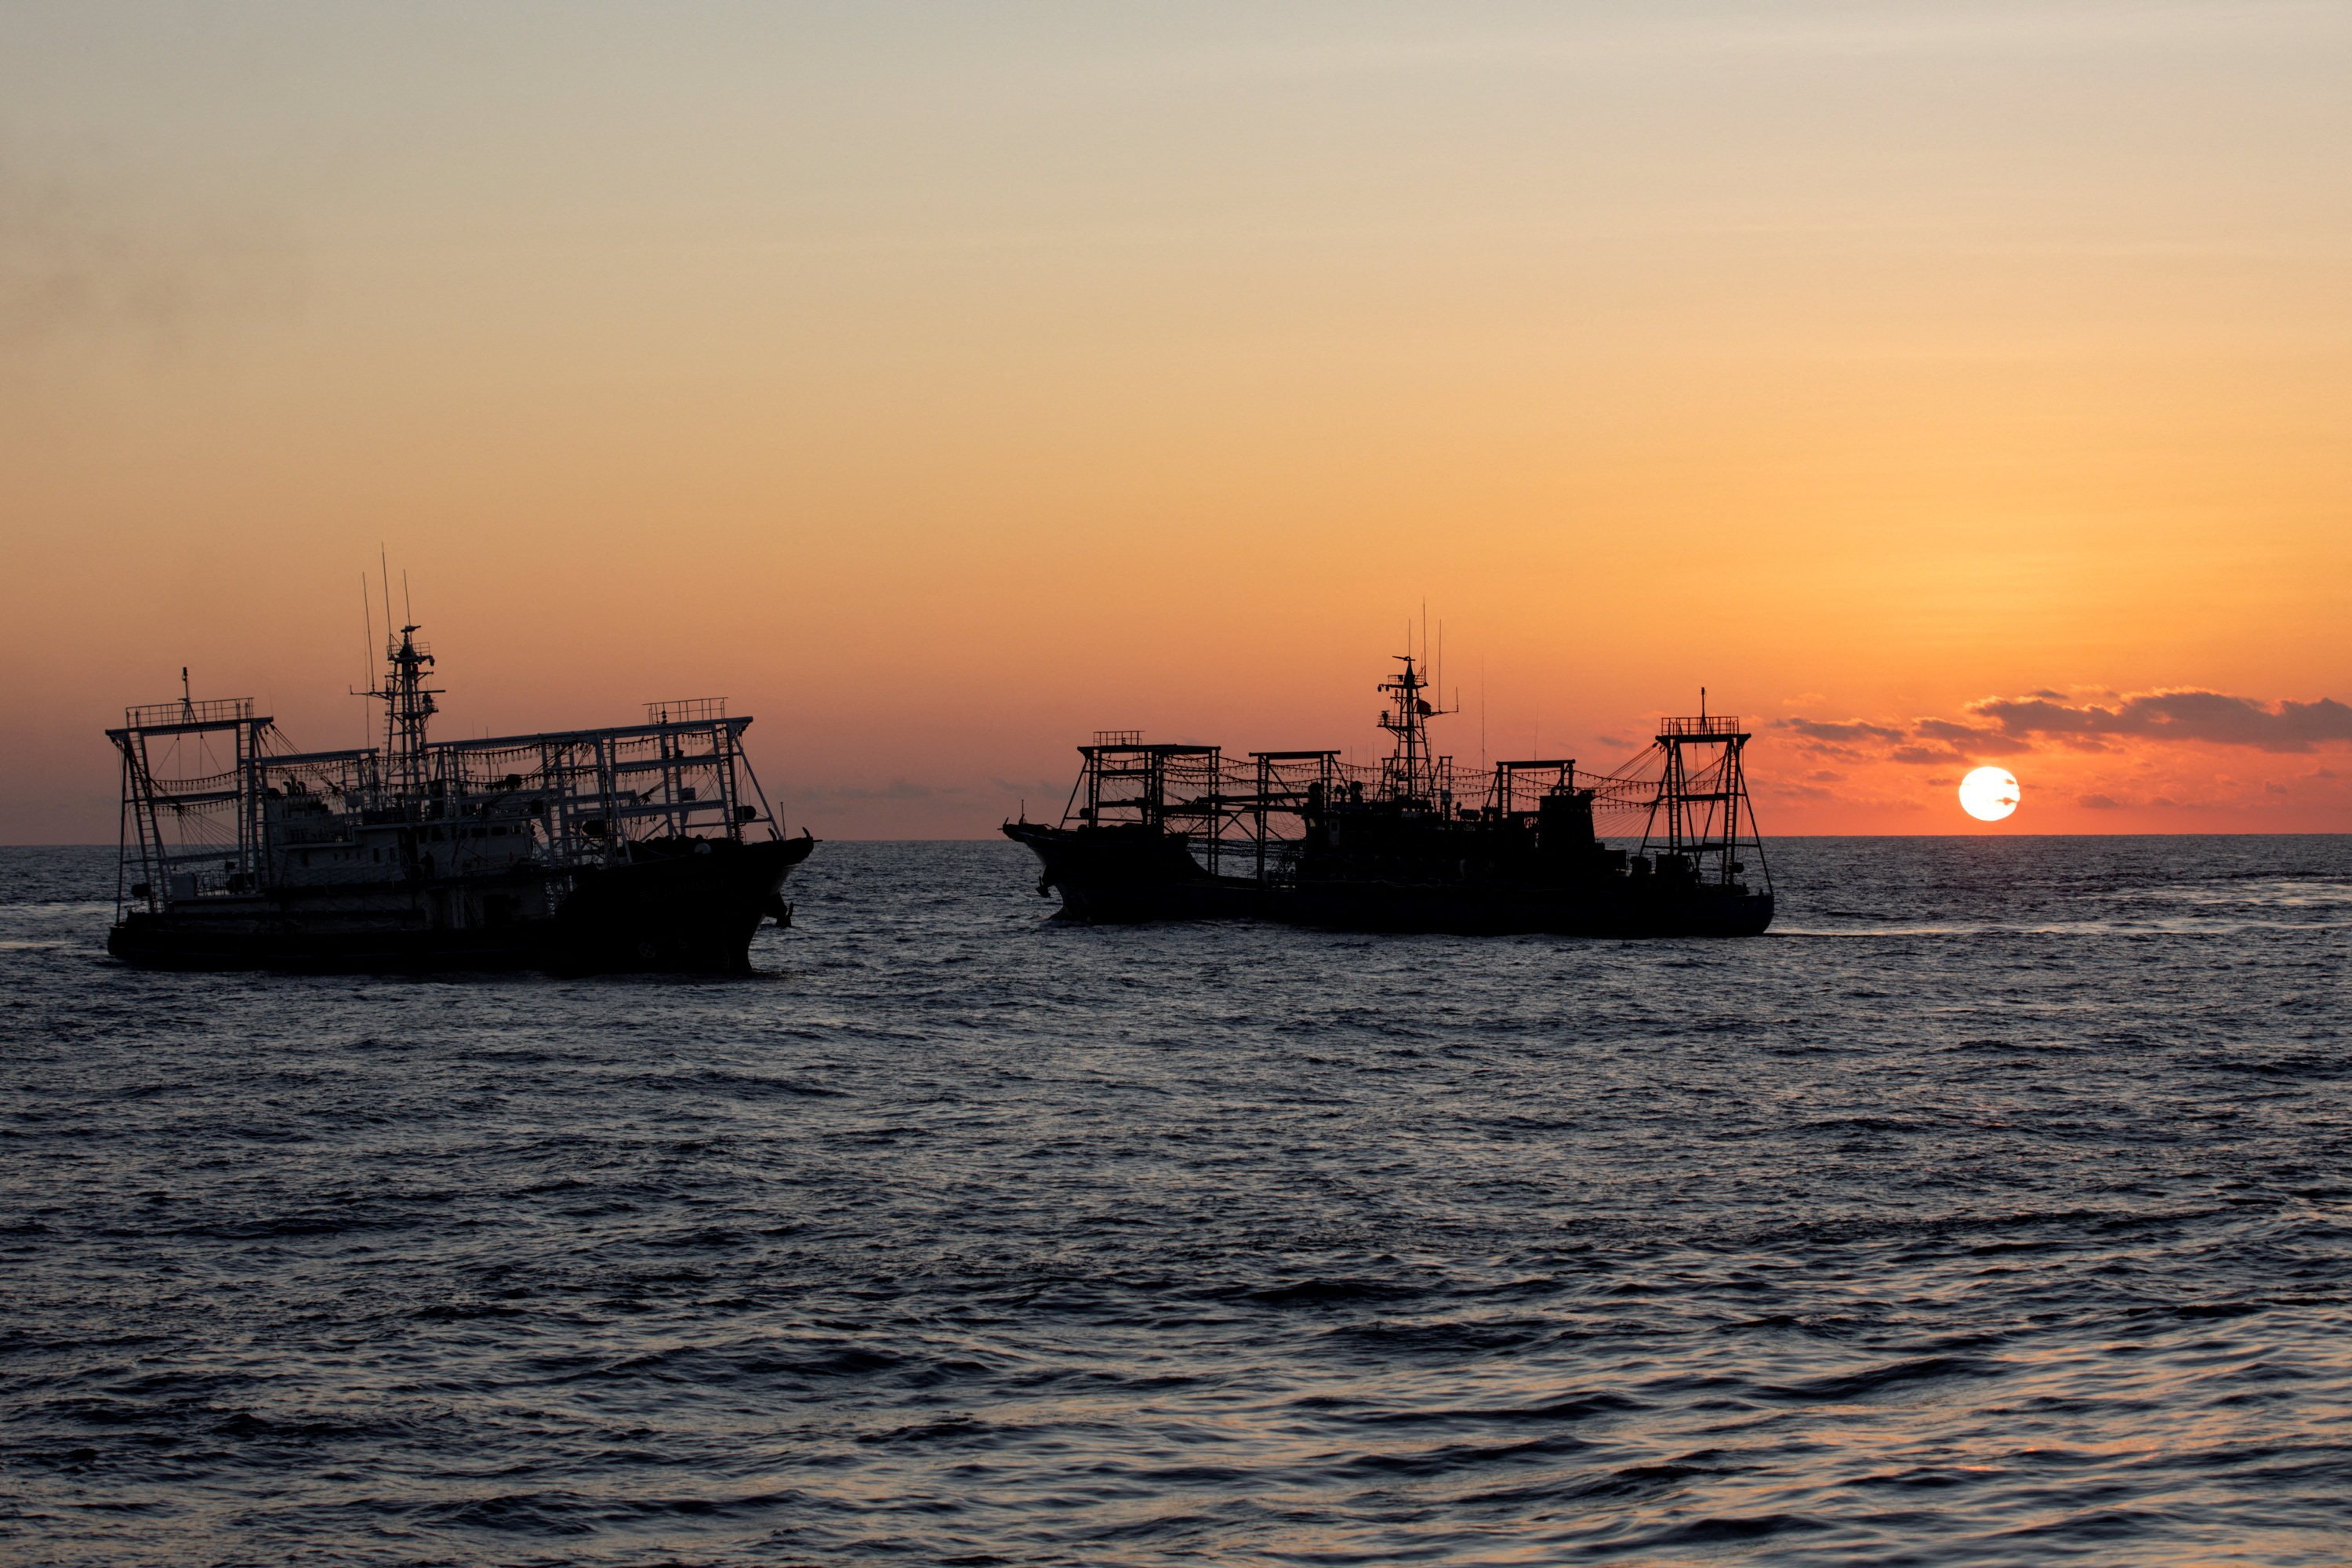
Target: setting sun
1988	793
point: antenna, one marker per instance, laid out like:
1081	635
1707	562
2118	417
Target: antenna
383	577
367	651
407	610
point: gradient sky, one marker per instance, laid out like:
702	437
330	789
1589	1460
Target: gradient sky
1936	384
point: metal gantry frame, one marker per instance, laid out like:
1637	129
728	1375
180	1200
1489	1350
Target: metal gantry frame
1513	778
193	800
1220	810
1696	814
579	798
1289	785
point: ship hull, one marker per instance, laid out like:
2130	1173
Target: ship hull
1123	877
1117	878
681	913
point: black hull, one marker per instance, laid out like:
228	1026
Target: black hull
1131	880
678	913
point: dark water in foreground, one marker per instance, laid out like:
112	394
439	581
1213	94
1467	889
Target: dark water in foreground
1996	1208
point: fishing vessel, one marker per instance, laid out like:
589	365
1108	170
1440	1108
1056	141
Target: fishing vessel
1667	846
642	847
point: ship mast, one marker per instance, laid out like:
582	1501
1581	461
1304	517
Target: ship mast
1409	774
408	705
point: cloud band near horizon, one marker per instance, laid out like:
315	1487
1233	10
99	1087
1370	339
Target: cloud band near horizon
2003	726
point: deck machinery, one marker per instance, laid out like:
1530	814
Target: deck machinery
644	846
1157	831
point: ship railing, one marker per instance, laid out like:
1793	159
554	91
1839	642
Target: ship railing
686	710
684	774
1137	754
1705	726
615	734
205	871
478	766
688	786
209	710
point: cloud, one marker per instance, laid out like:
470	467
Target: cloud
1974	738
1031	787
2097	802
86	257
2187	714
896	790
1940	756
1845	732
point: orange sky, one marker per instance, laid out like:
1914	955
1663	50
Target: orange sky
943	384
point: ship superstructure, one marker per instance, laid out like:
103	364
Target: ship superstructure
1159	831
646	846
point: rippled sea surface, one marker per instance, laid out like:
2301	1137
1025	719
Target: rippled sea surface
1997	1207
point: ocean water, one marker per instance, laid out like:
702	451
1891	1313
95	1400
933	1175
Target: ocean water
1995	1208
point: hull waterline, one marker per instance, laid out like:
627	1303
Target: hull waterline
1101	880
687	913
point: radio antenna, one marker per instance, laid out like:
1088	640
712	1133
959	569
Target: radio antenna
367	661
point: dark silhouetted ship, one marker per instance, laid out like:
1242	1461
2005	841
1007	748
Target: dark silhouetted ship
1160	832
644	846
